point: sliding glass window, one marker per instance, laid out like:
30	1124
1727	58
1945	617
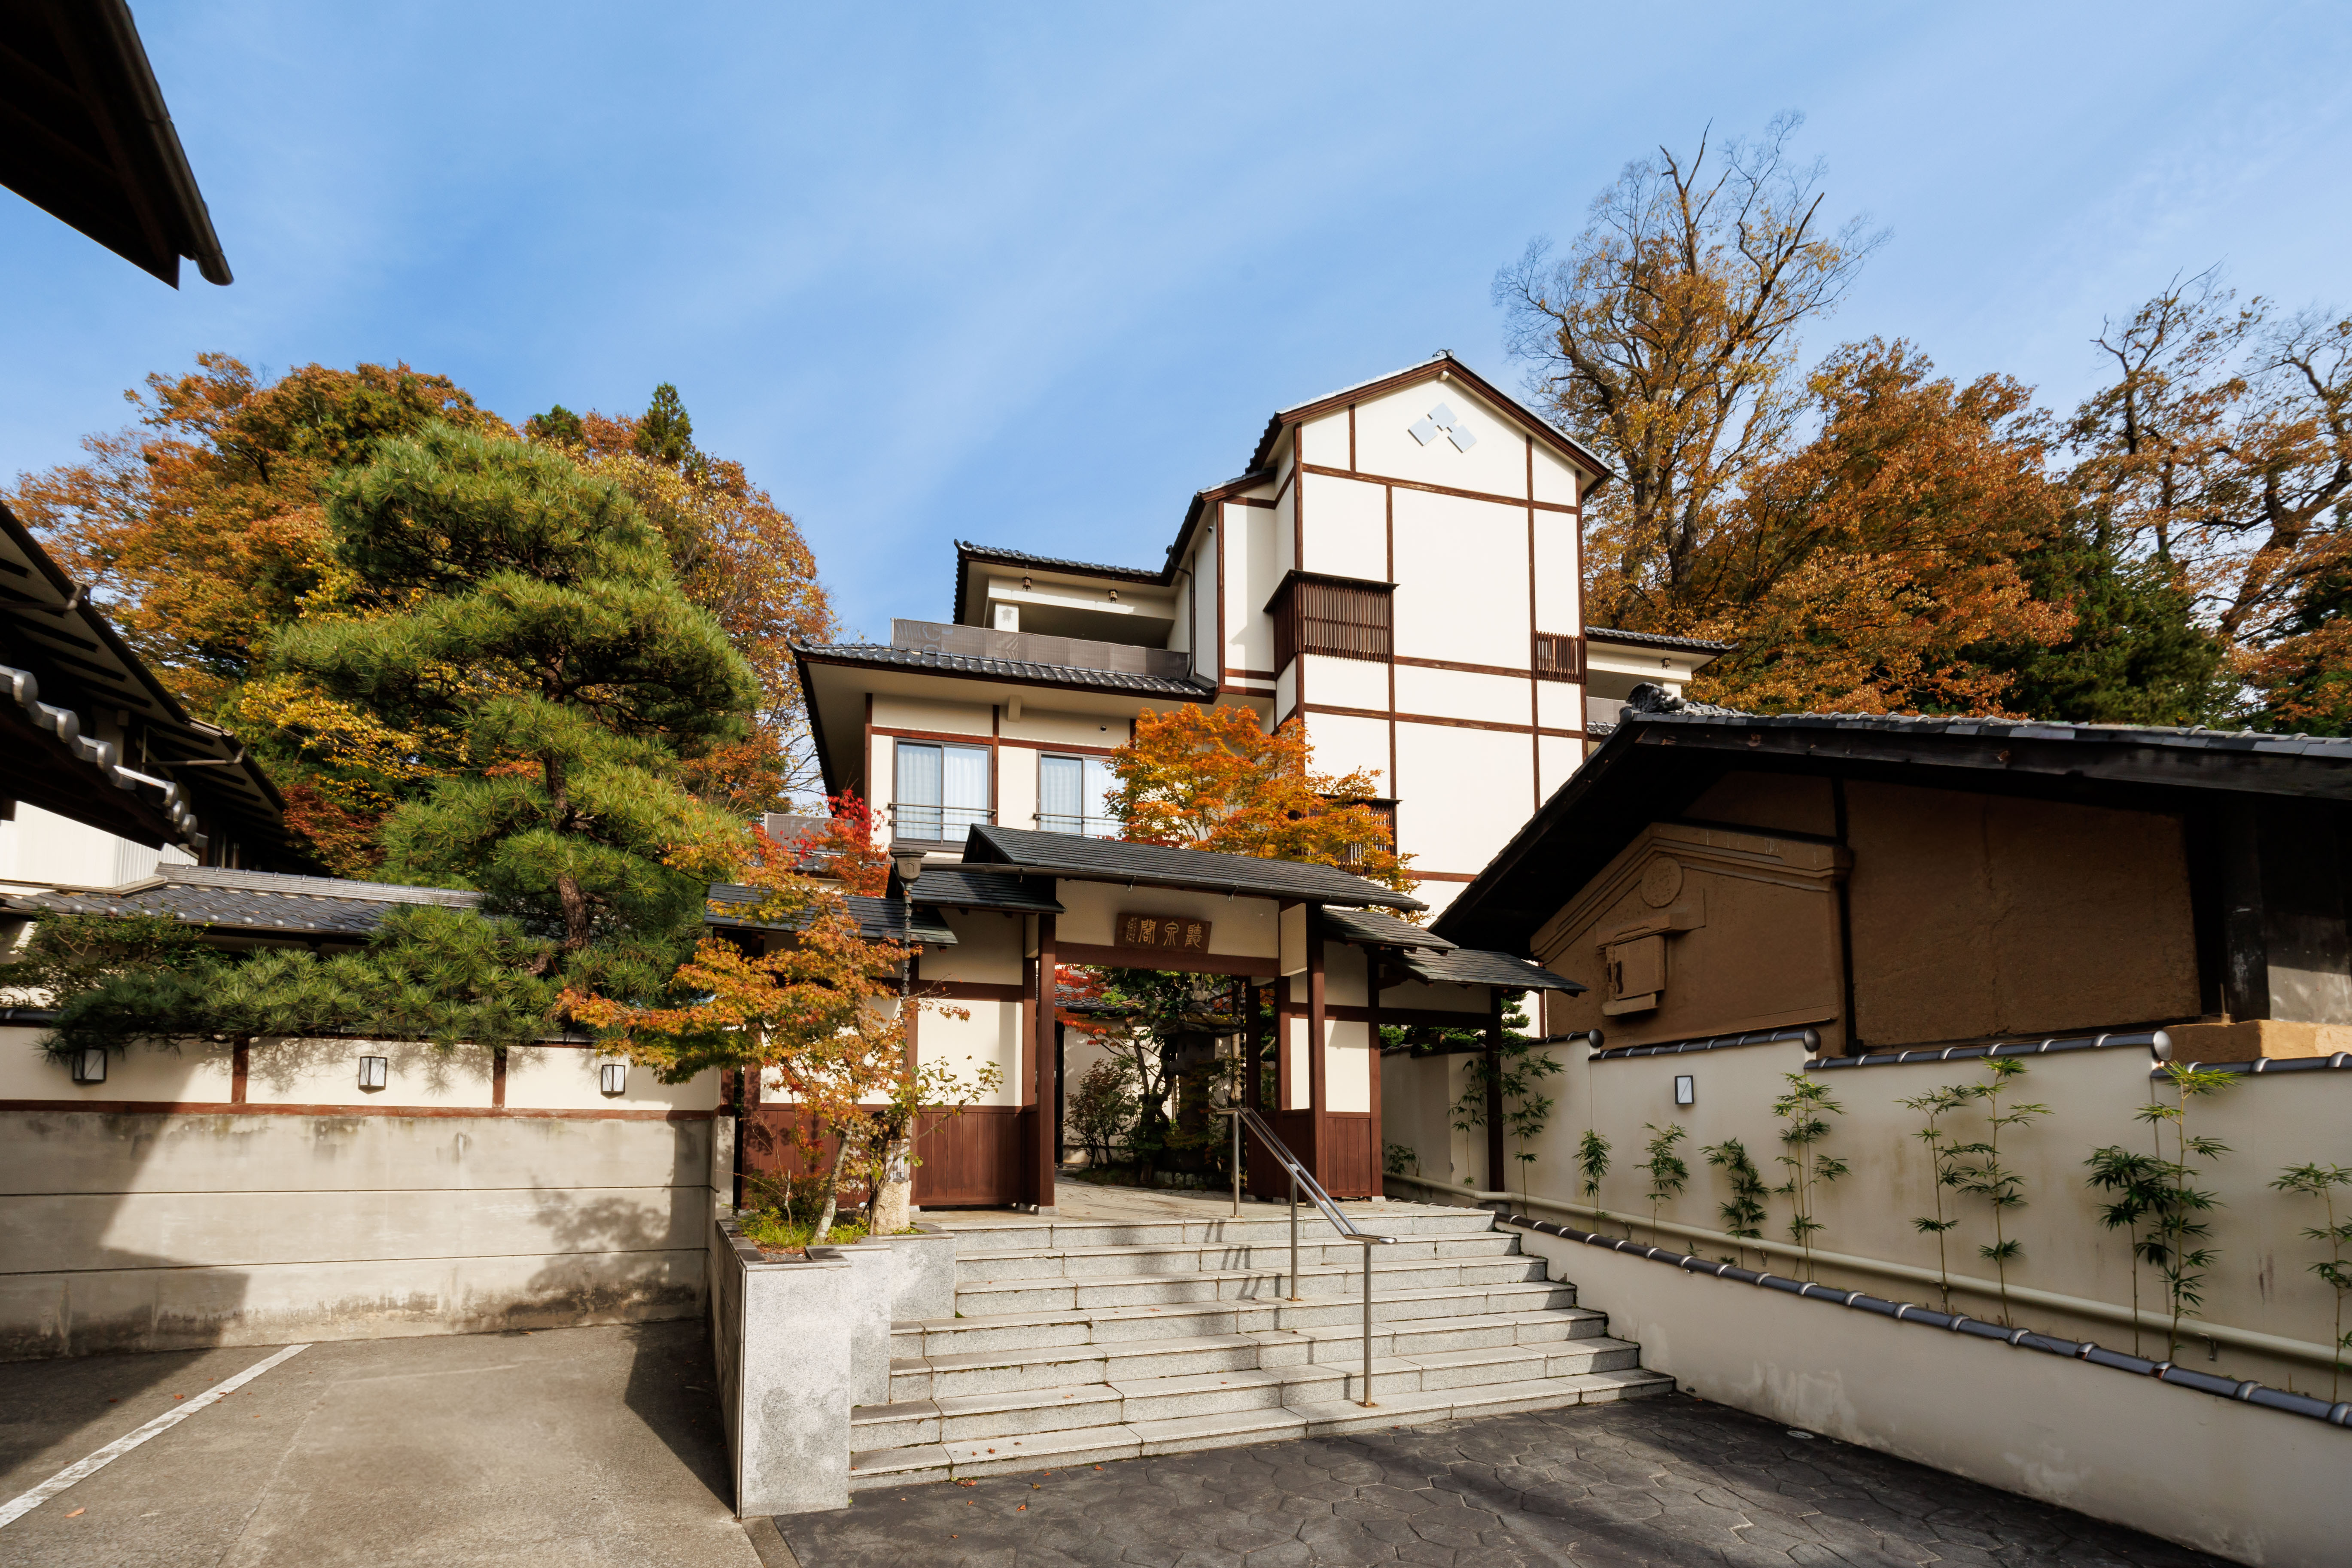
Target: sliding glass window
941	790
1074	795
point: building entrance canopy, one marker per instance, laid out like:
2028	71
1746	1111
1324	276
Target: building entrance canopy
1330	947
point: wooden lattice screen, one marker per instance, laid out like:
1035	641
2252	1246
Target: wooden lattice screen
1332	616
1559	656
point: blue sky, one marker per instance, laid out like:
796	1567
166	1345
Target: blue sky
1032	275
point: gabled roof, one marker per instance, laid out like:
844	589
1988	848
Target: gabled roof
963	888
1667	753
1442	362
1159	866
258	903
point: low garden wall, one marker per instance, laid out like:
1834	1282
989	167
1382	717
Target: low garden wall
199	1199
2258	1485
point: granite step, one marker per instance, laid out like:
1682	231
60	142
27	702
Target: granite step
916	1464
980	1266
1050	1293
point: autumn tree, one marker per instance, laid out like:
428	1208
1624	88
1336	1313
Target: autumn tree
1667	337
821	1010
1861	570
1207	777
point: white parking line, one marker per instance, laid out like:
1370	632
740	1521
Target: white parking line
16	1507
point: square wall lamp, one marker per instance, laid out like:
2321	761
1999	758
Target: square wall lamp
1685	1089
374	1071
612	1077
89	1065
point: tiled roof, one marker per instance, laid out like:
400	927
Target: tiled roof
257	902
1655	639
962	888
1006	669
2329	748
878	920
1374	928
1113	860
1468	966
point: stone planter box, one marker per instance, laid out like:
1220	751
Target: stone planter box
873	1266
784	1334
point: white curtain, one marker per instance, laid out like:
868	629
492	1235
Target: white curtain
1061	784
963	787
916	812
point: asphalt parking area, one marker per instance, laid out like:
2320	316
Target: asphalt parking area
589	1447
1652	1482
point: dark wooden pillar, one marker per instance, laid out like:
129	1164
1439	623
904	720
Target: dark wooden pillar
1371	964
1317	1091
1494	1174
1048	1090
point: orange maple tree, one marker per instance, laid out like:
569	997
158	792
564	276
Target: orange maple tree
816	1008
1209	778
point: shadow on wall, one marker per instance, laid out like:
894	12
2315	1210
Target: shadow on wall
614	1257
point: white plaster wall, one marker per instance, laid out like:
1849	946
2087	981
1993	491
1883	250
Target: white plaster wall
1462	580
1555	479
2251	1485
1285	539
1461	793
1344	742
193	1074
1496	465
1348	1060
880	784
1559	704
1457	694
989	948
1558	594
925	713
1294	1057
42	848
991	1032
326	1072
565	1078
1241	927
1325	442
1286	690
1560	757
1347	525
1252	571
1016	785
1347	682
1056	728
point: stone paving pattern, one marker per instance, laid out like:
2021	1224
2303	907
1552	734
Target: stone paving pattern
1673	1481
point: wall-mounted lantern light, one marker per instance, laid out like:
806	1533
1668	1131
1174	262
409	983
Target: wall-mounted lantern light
1685	1089
612	1077
374	1071
89	1065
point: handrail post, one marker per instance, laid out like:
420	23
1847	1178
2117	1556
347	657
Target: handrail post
1366	1400
1294	1236
1237	1165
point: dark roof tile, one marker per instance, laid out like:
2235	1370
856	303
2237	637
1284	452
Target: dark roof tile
1115	860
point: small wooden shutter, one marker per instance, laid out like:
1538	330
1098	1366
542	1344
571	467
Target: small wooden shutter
1559	656
1336	616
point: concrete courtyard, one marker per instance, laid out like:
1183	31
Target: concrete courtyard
601	1446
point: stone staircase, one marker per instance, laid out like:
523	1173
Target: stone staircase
1080	1342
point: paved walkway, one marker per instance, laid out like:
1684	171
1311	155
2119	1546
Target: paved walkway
599	1448
1655	1482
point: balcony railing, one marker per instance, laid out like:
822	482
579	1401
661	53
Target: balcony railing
1067	822
936	824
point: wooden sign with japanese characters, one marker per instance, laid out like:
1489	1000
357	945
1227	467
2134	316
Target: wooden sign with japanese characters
1169	933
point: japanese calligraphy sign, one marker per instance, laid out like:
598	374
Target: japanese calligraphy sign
1175	933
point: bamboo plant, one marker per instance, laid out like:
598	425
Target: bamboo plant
2137	1182
1997	1183
2320	1182
1591	1164
1801	1112
1668	1174
2178	1223
1943	1156
1743	1213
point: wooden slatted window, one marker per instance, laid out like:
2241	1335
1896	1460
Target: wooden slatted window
1559	656
1338	616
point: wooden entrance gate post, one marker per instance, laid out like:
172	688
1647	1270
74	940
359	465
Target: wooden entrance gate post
1496	1177
1317	1091
1048	1089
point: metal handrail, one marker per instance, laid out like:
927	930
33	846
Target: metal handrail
1301	1176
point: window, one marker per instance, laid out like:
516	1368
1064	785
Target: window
1074	797
942	791
1336	616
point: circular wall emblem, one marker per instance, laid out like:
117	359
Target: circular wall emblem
1662	881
